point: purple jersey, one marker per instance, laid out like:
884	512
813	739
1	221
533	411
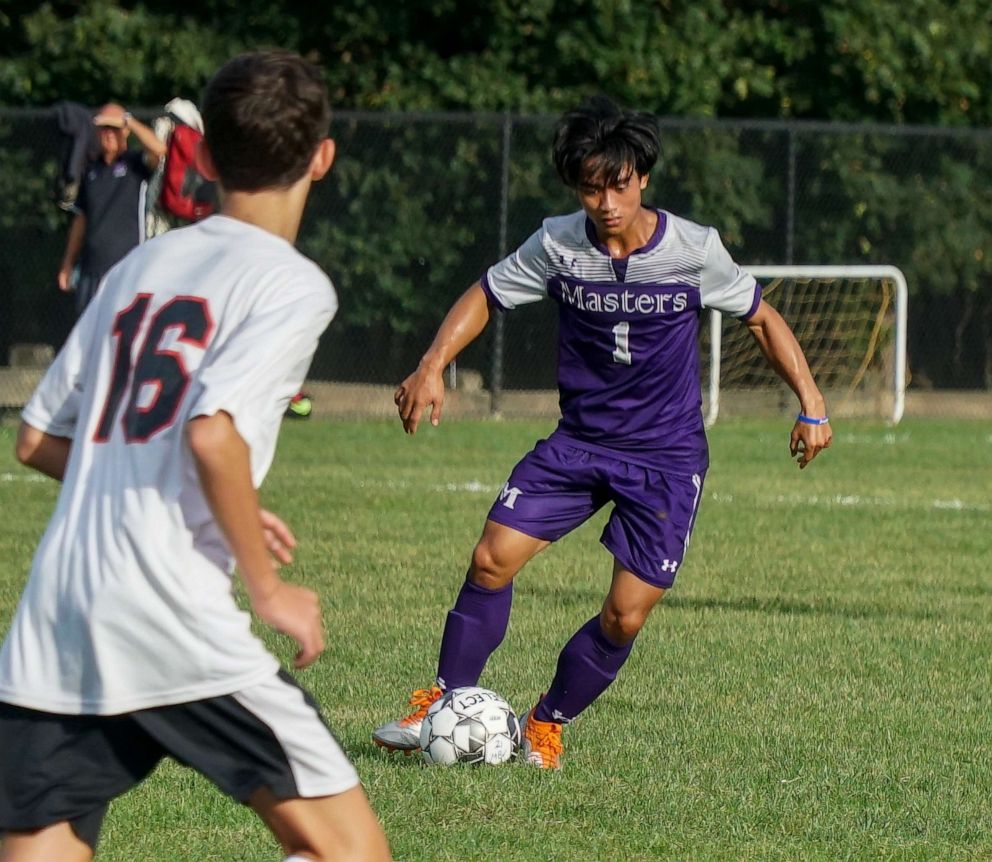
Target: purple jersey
628	357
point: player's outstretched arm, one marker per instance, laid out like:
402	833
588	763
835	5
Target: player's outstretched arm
425	387
786	357
154	148
223	465
43	452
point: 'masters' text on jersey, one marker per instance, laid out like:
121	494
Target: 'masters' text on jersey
129	604
628	358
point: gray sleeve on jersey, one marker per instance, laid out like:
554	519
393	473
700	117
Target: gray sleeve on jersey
54	406
723	285
256	371
519	278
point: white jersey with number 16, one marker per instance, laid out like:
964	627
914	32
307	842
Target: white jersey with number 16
130	600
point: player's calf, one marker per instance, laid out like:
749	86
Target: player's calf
339	828
57	841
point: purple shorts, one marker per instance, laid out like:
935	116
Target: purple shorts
558	486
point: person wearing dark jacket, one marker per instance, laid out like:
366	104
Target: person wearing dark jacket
110	217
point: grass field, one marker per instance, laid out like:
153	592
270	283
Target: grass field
816	686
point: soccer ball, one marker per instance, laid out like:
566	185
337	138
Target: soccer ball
469	725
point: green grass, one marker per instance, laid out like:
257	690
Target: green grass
816	687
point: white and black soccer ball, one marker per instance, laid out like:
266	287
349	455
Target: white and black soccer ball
469	725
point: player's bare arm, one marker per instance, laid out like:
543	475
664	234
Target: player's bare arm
73	245
222	462
425	387
154	148
786	357
43	452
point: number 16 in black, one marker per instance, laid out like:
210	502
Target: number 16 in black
155	366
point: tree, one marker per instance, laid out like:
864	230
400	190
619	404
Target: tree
862	196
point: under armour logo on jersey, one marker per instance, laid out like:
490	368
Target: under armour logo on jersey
508	496
669	565
569	263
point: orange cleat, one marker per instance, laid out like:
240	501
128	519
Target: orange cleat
541	744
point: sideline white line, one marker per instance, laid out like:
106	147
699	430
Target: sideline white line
855	500
829	501
854	438
23	477
473	487
470	487
889	438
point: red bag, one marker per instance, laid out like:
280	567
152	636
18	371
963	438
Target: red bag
186	193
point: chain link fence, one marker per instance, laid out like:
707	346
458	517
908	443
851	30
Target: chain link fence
418	205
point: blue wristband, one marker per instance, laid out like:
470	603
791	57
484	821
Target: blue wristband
812	420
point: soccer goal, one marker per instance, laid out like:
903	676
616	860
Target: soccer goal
851	323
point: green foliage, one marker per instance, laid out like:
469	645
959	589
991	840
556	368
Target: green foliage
25	186
429	181
415	216
907	200
106	52
722	183
887	60
911	60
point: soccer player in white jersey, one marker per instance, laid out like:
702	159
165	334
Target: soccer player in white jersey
630	282
160	418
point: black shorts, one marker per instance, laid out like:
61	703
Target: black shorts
67	768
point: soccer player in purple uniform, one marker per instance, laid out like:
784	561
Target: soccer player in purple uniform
630	282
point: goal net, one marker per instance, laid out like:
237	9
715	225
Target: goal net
851	324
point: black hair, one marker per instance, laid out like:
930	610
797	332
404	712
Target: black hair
599	140
264	114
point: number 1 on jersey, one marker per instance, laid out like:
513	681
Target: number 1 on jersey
621	335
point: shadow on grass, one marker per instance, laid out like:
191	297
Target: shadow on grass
580	598
375	752
798	607
563	597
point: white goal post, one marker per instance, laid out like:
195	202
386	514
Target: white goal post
828	307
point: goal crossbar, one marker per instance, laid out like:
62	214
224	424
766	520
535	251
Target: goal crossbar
885	273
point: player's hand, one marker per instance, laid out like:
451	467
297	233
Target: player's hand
807	441
64	277
294	611
424	388
279	539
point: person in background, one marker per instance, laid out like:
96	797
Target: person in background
110	208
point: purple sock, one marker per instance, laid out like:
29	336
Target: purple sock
586	667
474	628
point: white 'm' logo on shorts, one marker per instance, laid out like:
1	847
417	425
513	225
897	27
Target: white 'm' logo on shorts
669	565
508	496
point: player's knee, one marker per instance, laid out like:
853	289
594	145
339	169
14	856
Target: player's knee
489	570
342	828
622	625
